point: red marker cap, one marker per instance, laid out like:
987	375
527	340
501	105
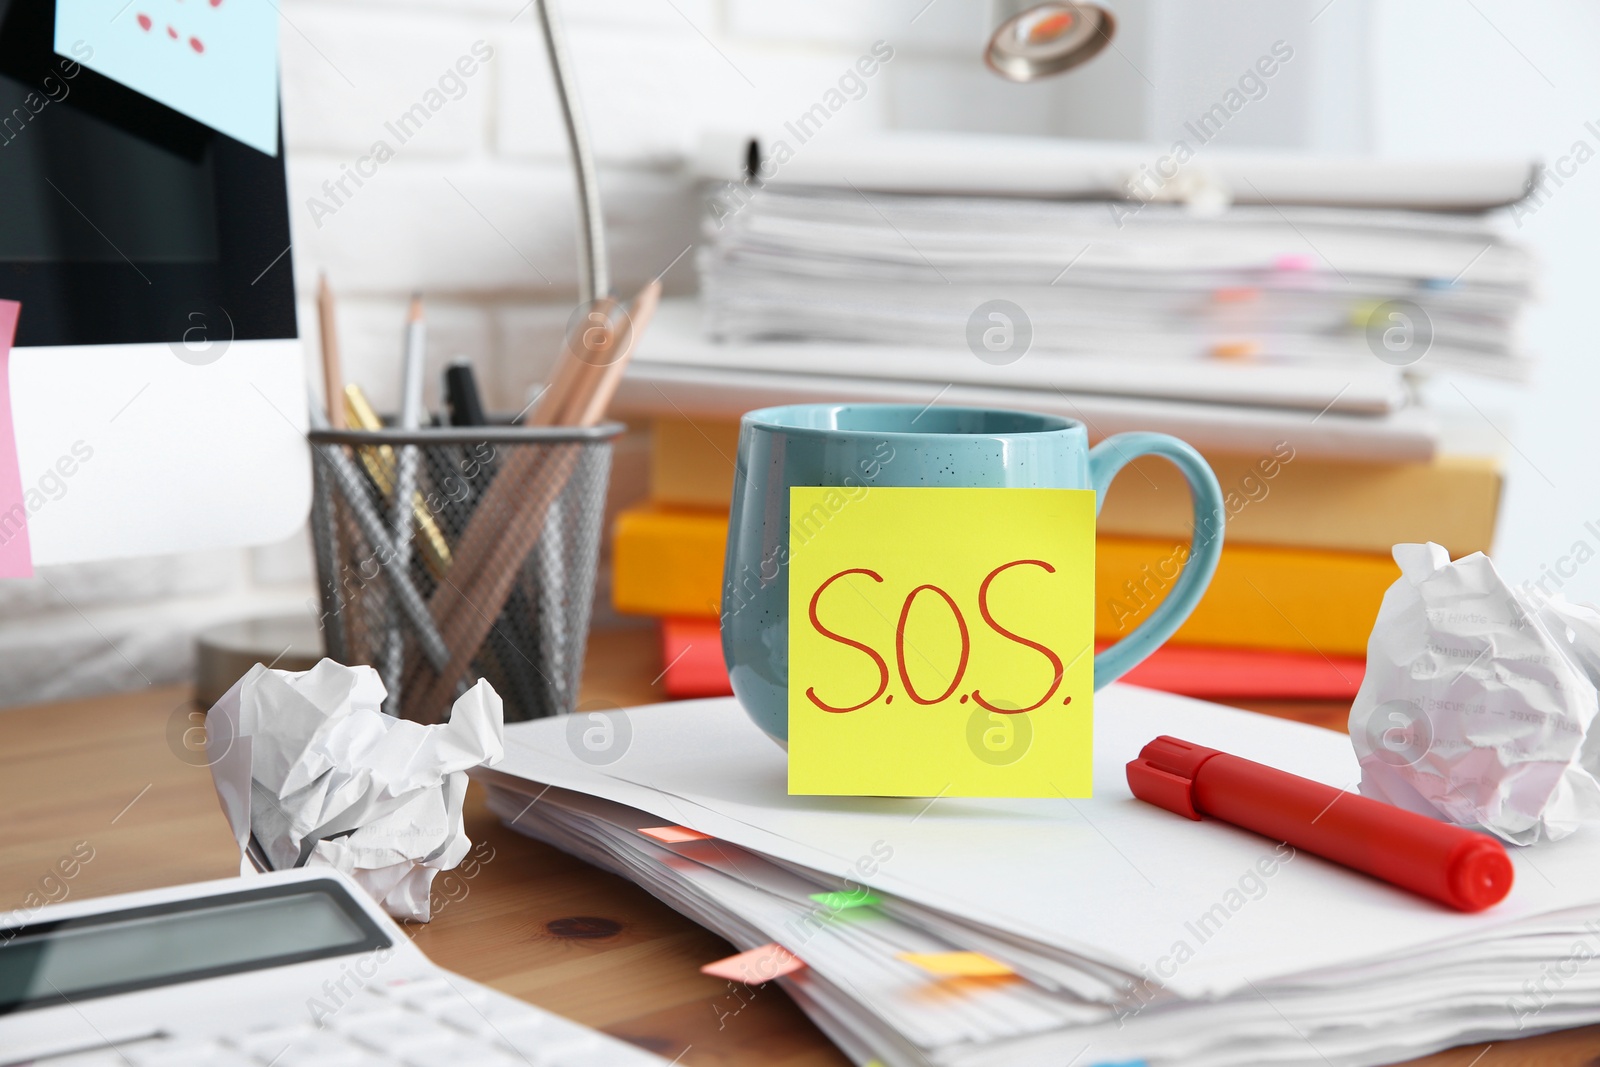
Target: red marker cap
1453	865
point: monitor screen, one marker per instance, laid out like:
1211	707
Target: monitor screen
120	218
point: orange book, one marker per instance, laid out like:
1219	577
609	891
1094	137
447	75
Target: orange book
668	561
1289	599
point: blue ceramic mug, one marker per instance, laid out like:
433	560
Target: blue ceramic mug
866	445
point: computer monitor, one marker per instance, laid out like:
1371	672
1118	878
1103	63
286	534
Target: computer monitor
157	382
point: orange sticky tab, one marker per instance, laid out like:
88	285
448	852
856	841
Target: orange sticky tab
673	835
1235	350
957	964
756	966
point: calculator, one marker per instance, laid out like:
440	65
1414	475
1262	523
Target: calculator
295	968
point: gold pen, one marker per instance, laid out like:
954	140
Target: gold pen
380	464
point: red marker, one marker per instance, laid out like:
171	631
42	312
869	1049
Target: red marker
1453	865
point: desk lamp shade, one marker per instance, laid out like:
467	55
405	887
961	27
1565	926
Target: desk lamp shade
1046	39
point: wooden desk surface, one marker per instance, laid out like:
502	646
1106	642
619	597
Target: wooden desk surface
115	773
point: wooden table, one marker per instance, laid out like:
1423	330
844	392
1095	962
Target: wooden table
118	774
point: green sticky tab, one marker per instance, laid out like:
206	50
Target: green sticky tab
840	901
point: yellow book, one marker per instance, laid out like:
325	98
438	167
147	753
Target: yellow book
1276	498
1279	498
691	463
668	561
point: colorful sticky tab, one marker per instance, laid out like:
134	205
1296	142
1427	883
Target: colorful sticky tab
756	966
957	964
941	641
673	835
215	62
16	554
842	901
1235	350
1295	261
1362	311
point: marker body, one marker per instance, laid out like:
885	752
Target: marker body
1453	865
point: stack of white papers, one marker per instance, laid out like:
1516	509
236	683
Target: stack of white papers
1135	933
1109	283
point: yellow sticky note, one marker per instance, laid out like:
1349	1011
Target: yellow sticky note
941	642
957	964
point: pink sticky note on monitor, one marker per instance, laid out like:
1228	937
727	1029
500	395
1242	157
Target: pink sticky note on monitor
16	557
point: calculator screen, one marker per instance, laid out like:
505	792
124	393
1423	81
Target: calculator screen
53	963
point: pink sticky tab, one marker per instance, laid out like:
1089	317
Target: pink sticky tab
673	835
16	556
1295	261
756	966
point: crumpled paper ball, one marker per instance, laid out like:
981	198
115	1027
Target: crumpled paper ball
1479	702
310	772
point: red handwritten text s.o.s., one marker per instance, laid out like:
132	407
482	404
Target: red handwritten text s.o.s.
963	660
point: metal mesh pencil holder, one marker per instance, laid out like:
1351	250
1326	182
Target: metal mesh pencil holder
487	571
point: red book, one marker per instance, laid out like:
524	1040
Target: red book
1248	673
691	649
692	652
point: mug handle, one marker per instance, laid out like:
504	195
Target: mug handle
1205	547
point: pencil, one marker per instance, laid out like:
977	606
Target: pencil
332	372
512	515
594	406
412	358
578	350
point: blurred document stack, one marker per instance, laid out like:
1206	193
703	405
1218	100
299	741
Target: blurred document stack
1276	312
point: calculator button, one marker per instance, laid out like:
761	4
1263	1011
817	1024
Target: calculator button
607	1054
178	1052
323	1055
552	1048
487	1016
352	1022
94	1058
409	989
365	999
222	1057
406	1033
270	1040
461	1054
298	1046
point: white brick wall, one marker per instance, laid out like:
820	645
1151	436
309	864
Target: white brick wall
475	210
